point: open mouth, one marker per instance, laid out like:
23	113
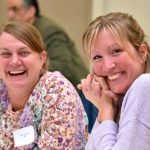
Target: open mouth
16	73
114	76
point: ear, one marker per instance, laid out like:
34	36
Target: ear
43	56
143	52
31	12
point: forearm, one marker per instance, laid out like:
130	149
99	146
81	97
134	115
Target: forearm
107	136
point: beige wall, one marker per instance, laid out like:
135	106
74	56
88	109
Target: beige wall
3	17
72	15
138	8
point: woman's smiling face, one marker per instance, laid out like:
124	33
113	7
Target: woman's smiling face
20	66
119	65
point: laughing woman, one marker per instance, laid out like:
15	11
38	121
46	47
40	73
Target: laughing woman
38	109
120	83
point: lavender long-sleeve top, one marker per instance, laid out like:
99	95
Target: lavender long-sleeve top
133	131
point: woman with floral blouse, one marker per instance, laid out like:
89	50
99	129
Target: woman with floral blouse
38	109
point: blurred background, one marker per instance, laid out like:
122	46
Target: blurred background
75	15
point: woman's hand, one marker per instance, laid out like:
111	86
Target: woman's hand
96	90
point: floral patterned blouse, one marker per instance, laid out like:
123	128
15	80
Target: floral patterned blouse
55	111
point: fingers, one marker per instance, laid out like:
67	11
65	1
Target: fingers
85	83
111	94
79	86
114	96
88	82
96	88
90	87
93	80
102	82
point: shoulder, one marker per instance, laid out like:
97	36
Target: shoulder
3	96
60	92
3	89
44	21
141	86
138	92
55	81
143	78
136	100
46	25
142	82
141	92
54	76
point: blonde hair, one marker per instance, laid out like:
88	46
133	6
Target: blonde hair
122	26
29	35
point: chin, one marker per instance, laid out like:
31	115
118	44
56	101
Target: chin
119	90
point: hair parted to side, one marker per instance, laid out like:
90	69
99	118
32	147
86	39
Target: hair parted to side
27	34
122	26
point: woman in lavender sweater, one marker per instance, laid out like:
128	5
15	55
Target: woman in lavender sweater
120	83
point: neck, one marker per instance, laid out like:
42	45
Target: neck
18	100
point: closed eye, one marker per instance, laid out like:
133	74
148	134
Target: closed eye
24	53
5	54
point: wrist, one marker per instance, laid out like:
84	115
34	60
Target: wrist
108	114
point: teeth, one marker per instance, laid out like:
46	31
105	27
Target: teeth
16	72
113	77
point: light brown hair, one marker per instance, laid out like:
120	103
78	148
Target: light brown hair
122	26
27	34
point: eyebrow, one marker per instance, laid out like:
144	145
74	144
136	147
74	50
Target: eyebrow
109	47
6	49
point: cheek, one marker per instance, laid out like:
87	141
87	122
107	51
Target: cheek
125	62
3	65
97	69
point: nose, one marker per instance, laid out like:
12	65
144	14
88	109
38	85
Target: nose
109	64
15	60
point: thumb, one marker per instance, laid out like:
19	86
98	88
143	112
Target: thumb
79	86
102	82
